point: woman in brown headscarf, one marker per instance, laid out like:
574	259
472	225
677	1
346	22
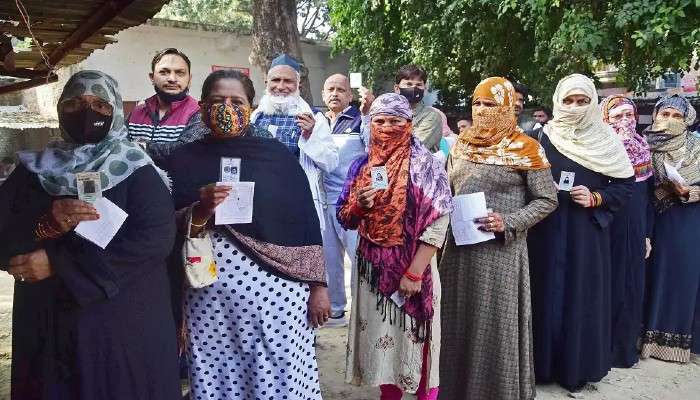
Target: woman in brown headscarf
487	335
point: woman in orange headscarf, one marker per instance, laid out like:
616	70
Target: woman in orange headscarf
486	322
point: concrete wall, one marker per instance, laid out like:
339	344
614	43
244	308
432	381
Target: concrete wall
129	60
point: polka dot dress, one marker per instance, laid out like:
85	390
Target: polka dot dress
249	334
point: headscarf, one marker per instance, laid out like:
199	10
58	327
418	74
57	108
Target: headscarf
389	147
418	195
671	143
635	144
580	134
115	157
679	103
495	138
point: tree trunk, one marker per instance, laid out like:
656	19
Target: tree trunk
275	32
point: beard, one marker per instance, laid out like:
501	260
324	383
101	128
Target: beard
281	105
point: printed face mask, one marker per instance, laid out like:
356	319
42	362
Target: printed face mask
225	120
86	125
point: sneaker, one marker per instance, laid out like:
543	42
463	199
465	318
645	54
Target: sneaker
336	321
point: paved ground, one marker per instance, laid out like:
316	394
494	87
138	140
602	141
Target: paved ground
653	380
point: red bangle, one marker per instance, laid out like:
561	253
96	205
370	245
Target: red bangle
357	211
412	277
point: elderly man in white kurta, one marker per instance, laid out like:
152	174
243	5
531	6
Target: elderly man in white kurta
291	120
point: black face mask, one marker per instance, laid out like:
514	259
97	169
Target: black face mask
413	94
170	98
86	125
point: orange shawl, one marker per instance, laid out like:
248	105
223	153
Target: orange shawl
390	147
495	138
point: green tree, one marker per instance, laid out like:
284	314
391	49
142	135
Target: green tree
533	41
233	14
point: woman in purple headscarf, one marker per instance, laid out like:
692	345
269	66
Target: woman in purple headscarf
394	339
630	232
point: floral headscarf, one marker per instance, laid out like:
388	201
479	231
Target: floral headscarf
115	157
635	144
495	138
579	133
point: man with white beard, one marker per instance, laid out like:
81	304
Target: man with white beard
291	120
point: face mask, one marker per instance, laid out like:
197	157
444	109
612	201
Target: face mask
625	125
226	121
170	98
86	125
413	94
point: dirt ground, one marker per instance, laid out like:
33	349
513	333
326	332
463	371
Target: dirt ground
652	380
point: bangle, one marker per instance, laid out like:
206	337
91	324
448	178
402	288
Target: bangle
412	277
44	229
597	199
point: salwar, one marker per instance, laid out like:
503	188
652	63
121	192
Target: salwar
393	392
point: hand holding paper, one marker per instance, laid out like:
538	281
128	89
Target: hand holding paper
102	231
469	207
237	208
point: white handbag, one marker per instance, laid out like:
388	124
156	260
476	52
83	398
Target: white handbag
198	258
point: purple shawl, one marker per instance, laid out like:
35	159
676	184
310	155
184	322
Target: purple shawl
428	198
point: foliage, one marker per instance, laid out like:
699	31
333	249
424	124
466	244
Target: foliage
536	42
313	19
236	14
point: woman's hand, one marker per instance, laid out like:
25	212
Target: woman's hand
66	214
493	222
319	306
678	189
210	197
365	197
581	195
408	288
30	267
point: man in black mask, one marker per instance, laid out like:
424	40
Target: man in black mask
427	123
167	119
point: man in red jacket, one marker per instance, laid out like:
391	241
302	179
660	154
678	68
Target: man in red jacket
167	119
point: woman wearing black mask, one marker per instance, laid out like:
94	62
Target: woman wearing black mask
89	322
250	333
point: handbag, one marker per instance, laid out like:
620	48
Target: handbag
198	258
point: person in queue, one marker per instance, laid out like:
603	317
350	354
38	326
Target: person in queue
630	235
486	317
394	338
345	121
570	260
89	321
164	121
291	120
671	329
250	334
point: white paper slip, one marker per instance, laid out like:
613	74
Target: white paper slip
673	174
273	130
355	80
380	179
238	206
102	231
467	207
230	169
566	180
398	299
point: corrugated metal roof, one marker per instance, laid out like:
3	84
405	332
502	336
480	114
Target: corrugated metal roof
18	117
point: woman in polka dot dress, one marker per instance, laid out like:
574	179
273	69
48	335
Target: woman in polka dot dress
250	333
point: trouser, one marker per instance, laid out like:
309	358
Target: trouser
336	242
